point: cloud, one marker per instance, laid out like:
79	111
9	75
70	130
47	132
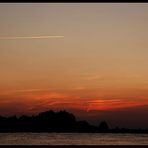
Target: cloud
134	76
33	90
31	37
95	77
113	104
80	88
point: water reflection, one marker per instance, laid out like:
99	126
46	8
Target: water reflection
72	139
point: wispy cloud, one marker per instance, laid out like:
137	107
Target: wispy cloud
31	37
93	77
111	104
134	76
33	90
80	88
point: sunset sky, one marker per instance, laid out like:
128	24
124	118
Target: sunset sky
80	57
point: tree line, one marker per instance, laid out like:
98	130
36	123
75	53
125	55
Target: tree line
50	121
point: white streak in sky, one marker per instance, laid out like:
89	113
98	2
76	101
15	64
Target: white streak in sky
31	37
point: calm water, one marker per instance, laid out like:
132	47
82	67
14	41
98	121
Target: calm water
72	139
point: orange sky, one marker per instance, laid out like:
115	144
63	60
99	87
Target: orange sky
96	58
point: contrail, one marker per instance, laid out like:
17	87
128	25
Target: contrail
31	37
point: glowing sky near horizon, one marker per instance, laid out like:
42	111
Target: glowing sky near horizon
99	64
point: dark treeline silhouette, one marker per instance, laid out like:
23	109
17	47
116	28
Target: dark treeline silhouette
51	121
48	121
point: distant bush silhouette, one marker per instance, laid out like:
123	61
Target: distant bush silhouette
103	126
